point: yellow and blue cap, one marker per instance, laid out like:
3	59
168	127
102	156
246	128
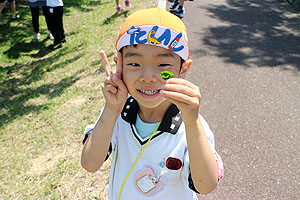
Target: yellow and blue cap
154	26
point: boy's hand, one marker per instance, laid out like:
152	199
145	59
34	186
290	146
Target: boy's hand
114	90
185	95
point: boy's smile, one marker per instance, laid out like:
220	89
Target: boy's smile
142	65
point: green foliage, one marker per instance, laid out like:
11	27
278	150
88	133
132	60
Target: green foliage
48	97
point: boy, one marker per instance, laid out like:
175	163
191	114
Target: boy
180	159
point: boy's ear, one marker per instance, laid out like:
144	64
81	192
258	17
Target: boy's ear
115	59
185	67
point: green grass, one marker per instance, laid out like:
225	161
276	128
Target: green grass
48	97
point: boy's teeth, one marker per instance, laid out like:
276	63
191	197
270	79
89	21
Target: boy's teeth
150	92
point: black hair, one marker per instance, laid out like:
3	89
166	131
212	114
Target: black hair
121	50
181	63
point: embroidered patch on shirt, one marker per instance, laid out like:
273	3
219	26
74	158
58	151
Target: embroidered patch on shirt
173	163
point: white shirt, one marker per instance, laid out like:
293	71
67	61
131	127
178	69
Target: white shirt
168	143
54	3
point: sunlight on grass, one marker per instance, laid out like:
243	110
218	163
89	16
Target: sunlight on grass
48	97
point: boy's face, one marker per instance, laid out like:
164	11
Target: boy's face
142	66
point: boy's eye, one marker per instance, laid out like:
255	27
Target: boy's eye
134	64
164	65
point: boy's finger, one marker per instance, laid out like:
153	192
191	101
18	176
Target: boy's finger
119	65
109	88
181	81
180	98
105	63
109	80
180	89
120	84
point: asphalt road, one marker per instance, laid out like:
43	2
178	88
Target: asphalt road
246	61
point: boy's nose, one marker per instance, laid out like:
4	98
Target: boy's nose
149	75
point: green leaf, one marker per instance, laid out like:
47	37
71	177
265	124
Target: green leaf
166	75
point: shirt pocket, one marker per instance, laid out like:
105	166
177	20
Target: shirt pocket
170	177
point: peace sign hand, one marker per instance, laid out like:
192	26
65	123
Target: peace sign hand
114	90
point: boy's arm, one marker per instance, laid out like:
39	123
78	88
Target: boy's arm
115	92
203	165
96	146
186	96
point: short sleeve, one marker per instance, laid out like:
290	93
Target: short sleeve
90	127
209	134
187	173
87	131
211	141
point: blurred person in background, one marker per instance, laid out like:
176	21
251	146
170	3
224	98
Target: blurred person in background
35	13
119	7
177	7
13	9
56	11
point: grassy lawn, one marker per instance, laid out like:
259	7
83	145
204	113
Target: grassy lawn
48	97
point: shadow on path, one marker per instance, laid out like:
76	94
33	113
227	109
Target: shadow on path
261	33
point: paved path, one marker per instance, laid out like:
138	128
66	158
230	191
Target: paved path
246	61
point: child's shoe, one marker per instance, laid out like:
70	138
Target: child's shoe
179	12
50	35
120	8
56	46
15	16
127	3
36	38
174	5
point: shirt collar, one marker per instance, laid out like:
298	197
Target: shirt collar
170	122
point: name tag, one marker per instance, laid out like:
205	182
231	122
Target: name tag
145	184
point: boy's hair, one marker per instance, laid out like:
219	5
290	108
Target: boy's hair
154	26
